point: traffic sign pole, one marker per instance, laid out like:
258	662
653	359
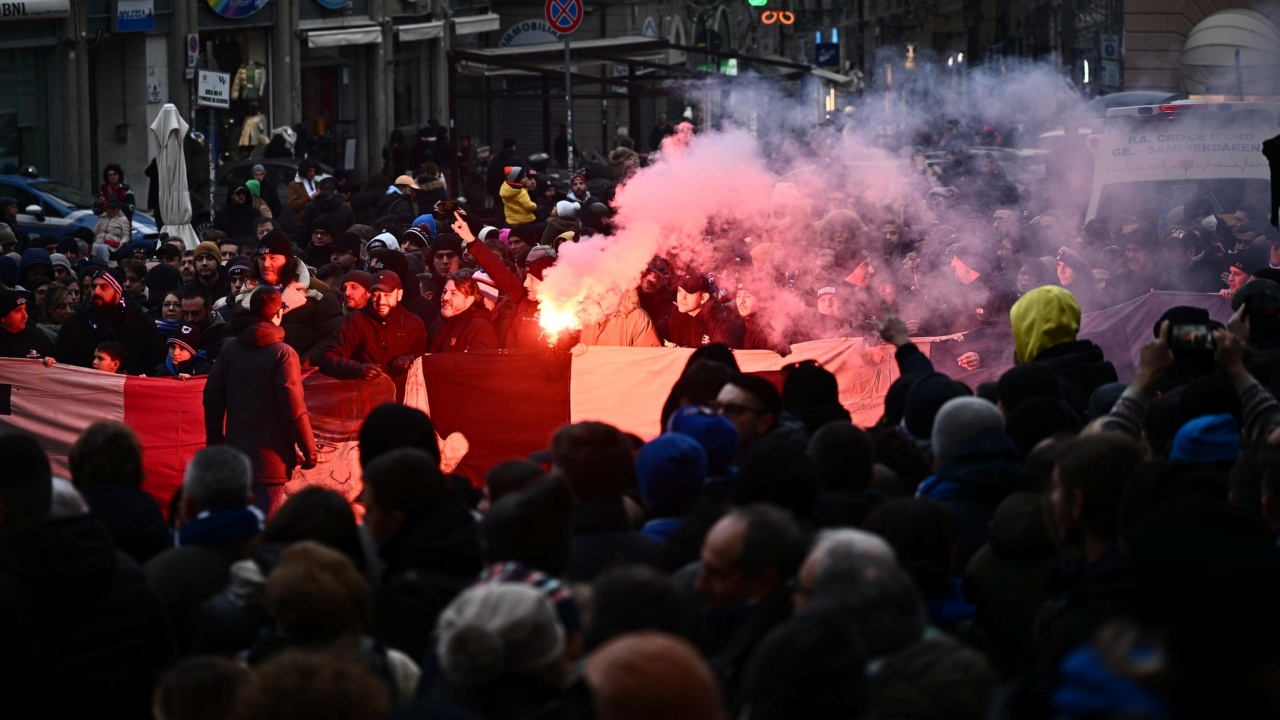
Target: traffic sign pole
565	16
568	103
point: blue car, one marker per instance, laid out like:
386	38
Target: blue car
48	206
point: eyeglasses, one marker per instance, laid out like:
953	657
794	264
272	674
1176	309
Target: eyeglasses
171	305
734	409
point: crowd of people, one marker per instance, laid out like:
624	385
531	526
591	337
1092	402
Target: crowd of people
1054	544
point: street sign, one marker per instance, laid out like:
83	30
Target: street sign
213	90
564	15
1110	74
1110	47
826	54
135	16
193	50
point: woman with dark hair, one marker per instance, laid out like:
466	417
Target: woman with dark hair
114	188
231	620
57	306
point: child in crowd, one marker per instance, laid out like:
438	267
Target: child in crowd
110	357
185	359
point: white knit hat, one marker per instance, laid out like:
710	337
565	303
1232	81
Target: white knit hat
564	208
490	630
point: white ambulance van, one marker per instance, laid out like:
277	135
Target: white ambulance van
1160	157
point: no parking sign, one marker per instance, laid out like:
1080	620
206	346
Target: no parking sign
564	15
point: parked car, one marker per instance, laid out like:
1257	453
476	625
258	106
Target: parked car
280	171
49	206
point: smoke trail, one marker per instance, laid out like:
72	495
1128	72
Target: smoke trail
774	194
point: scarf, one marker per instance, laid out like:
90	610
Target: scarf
111	315
167	326
213	527
174	369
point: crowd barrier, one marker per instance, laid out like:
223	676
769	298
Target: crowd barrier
493	406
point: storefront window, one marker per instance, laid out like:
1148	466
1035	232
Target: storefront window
24	108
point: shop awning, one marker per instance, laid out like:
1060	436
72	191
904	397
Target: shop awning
359	35
550	56
420	31
36	10
474	24
836	78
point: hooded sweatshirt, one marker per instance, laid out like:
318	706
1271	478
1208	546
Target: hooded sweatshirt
1045	322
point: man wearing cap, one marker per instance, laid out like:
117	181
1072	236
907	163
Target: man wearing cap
464	323
699	320
186	358
267	190
658	295
1141	271
170	254
1075	273
209	270
320	244
237	277
398	199
380	339
579	193
110	316
446	255
253	399
345	252
17	340
518	206
69	247
979	302
355	290
328	203
61	266
312	311
1243	265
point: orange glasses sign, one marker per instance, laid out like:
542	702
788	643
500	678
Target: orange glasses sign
785	17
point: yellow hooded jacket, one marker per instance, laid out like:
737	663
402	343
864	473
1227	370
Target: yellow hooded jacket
1043	318
517	206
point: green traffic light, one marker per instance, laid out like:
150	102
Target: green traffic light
757	3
